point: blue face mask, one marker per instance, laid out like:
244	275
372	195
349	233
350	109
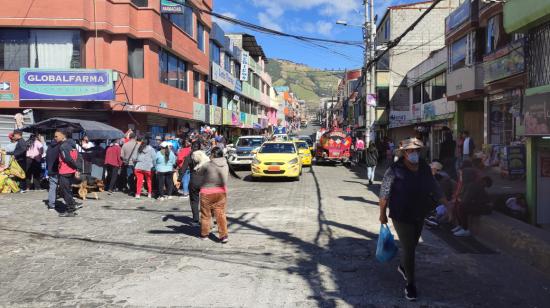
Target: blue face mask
413	157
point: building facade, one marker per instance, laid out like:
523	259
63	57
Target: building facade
115	61
392	92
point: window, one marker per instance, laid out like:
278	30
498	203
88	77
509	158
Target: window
200	36
196	84
135	58
182	75
387	30
237	73
214	52
172	71
458	54
39	49
434	88
14	49
268	92
183	21
256	82
383	97
493	33
226	62
417	94
141	3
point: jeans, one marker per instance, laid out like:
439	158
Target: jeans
213	204
65	182
165	179
140	174
112	177
185	181
409	235
52	191
370	173
130	178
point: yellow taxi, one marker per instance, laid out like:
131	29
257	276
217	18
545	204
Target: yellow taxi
277	159
304	152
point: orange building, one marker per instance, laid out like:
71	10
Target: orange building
115	61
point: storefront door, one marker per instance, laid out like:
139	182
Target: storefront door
543	183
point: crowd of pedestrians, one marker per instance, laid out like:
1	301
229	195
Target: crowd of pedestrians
191	167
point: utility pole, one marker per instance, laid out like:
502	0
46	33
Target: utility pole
369	36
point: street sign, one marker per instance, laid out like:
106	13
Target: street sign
5	86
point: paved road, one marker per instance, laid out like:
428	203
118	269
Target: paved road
292	244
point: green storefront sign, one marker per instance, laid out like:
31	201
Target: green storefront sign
7	97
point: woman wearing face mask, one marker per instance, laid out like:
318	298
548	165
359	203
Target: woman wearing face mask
409	190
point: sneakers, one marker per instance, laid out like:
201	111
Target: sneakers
162	199
184	197
431	222
170	198
401	271
110	192
204	238
455	229
149	196
462	233
410	292
138	197
67	214
224	240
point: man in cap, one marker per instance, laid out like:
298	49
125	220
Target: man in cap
409	190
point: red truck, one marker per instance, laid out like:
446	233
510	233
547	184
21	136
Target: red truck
334	146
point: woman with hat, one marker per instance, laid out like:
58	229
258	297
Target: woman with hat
409	190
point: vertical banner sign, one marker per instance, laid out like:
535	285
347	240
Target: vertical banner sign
171	6
244	65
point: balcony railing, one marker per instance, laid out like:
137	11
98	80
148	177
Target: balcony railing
505	62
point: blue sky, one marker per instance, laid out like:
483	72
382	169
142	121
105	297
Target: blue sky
315	18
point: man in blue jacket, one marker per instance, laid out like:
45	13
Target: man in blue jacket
52	163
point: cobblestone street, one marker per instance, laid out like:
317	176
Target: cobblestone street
293	244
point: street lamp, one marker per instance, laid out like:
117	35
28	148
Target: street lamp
345	24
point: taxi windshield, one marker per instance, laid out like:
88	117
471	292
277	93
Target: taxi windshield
302	145
278	148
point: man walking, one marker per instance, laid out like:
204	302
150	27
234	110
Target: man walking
468	147
129	155
52	163
69	170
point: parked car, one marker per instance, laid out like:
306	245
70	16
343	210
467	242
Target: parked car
240	153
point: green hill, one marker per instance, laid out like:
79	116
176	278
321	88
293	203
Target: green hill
309	84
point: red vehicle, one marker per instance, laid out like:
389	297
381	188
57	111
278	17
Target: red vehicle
334	146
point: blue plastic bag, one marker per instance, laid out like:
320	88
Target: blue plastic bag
386	248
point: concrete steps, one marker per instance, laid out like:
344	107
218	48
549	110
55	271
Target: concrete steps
523	241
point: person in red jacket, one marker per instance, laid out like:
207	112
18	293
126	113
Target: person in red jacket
69	170
113	163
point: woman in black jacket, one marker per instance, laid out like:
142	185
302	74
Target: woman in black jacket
194	183
372	161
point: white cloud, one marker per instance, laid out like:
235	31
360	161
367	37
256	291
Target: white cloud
324	28
273	10
268	21
226	26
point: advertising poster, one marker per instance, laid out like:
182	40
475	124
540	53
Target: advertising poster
245	65
68	85
537	114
